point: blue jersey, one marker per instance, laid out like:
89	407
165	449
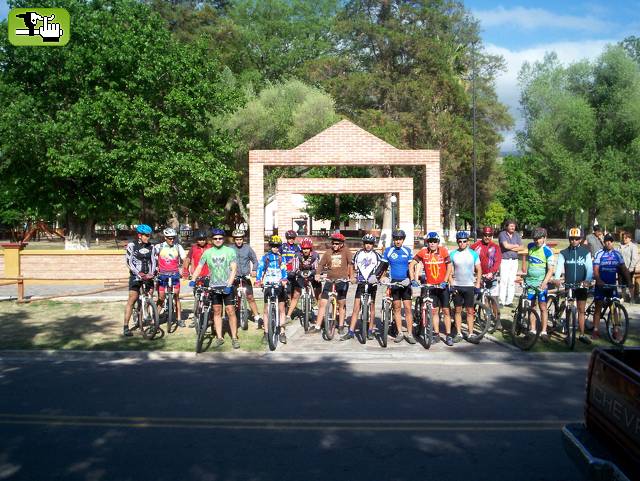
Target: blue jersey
271	269
289	253
609	262
398	260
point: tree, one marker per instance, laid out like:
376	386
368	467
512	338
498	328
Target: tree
519	195
116	124
495	214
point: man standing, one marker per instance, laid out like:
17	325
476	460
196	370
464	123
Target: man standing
490	260
142	266
289	251
594	242
247	266
510	244
465	280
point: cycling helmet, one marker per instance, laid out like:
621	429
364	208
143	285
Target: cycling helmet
237	233
337	237
275	241
169	232
462	234
369	239
306	243
217	231
290	234
144	229
432	235
399	234
608	237
487	230
200	235
575	232
539	232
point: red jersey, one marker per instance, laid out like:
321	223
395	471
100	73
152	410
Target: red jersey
195	253
490	256
434	263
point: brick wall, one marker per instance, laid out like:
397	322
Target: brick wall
52	265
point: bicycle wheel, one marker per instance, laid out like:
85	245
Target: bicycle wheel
386	320
201	328
417	314
172	324
306	309
588	317
330	320
149	321
272	328
482	321
426	327
570	327
364	320
493	306
523	322
617	323
553	313
243	314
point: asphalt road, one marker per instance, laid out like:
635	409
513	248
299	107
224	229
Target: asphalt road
285	416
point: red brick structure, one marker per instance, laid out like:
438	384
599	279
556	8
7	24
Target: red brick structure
344	144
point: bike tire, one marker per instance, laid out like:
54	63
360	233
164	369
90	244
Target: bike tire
617	317
386	320
588	316
149	321
243	314
482	321
306	318
521	327
417	314
427	327
272	327
364	321
201	328
172	323
491	302
329	321
552	312
570	326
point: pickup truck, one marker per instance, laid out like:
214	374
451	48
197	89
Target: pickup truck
607	445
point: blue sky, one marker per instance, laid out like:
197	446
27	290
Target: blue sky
524	30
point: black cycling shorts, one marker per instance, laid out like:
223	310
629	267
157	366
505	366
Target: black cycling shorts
581	293
439	296
299	283
282	293
360	290
292	283
218	298
341	289
135	283
246	282
464	296
400	293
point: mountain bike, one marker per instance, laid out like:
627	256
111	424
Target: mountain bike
482	317
423	310
365	311
273	314
242	305
307	298
567	317
170	307
487	299
387	311
145	311
201	282
331	313
615	315
204	318
525	320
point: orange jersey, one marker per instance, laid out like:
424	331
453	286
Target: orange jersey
434	263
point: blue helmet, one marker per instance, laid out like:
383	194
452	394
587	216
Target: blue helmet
461	234
432	235
399	234
144	229
217	231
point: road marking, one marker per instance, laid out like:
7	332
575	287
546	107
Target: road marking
286	424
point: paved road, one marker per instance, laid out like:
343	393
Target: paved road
313	416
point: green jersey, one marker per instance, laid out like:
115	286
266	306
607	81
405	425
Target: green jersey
219	262
539	259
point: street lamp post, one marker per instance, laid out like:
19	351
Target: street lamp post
394	201
473	88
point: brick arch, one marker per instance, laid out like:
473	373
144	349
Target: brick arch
343	144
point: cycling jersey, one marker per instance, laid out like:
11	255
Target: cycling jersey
140	259
219	260
309	263
490	256
464	266
539	259
397	258
288	252
336	263
271	269
609	262
169	257
365	263
194	255
247	260
576	265
434	264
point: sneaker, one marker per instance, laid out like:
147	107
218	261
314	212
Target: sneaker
217	342
410	339
473	339
544	336
342	330
349	335
126	332
370	335
283	336
181	323
235	342
193	324
435	339
288	319
260	323
533	333
457	338
399	337
449	341
313	329
584	339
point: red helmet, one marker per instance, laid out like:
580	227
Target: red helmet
306	243
290	234
337	237
487	230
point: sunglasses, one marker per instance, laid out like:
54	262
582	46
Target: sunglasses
487	235
462	241
432	241
218	238
336	243
170	238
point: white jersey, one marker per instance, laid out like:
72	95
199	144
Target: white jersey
365	264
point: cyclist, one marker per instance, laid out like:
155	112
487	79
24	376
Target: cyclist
306	263
223	265
142	265
465	279
170	256
577	266
437	266
608	264
337	262
396	259
490	260
365	262
193	258
539	265
271	270
289	251
247	265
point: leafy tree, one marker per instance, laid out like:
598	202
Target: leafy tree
495	214
518	194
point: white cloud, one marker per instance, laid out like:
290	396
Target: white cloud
538	18
507	83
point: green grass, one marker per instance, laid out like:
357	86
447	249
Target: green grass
94	326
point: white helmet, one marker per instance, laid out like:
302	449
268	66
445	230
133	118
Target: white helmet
169	232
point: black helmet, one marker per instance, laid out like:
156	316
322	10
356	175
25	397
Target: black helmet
199	234
399	234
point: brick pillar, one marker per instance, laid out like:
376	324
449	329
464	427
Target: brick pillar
256	205
405	215
432	198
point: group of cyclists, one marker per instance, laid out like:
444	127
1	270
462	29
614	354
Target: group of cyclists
440	273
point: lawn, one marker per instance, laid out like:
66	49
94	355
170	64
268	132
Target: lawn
94	326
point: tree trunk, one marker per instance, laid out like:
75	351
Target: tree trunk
79	233
242	208
336	219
